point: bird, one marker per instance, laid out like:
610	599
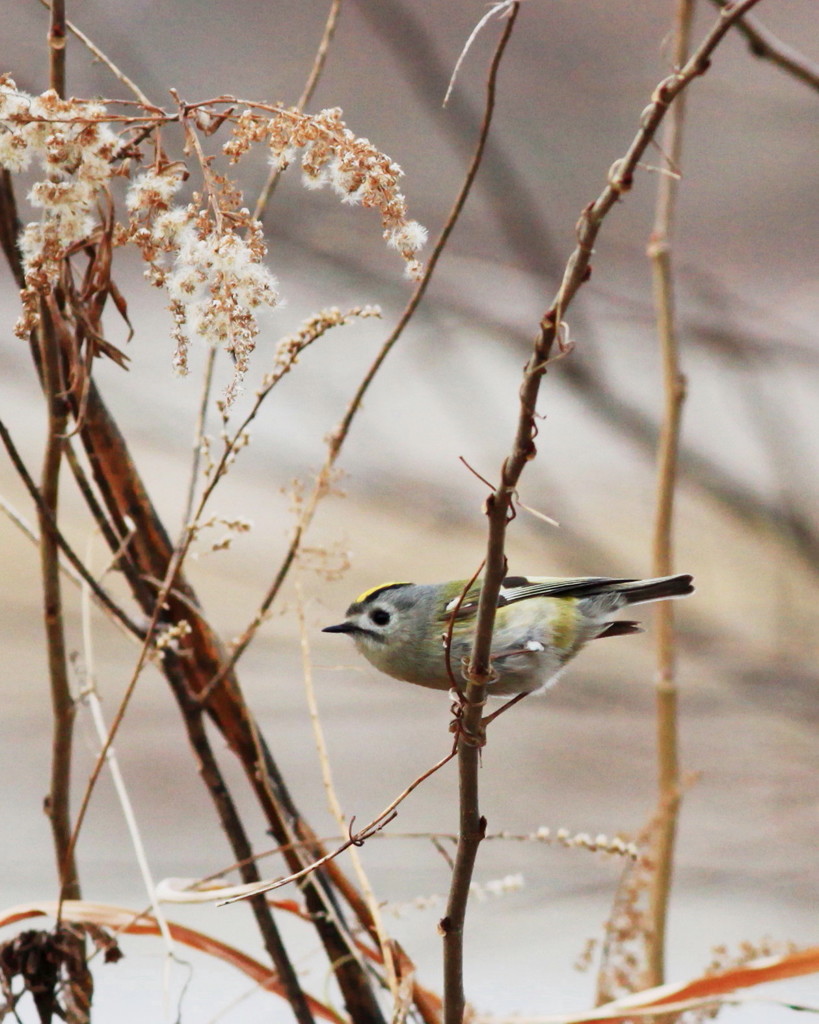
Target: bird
423	633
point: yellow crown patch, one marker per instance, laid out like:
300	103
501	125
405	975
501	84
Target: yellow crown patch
377	590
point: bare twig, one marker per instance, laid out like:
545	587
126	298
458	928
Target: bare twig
309	88
187	671
57	804
335	806
103	59
763	43
311	331
102	597
496	10
499	505
145	651
231	821
659	251
267	927
10	227
242	892
199	434
90	695
56	47
116	542
354	839
457	685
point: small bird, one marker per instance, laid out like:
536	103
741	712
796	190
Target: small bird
404	629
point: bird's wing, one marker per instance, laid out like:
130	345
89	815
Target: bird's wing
519	588
464	606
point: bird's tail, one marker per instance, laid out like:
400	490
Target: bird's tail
642	591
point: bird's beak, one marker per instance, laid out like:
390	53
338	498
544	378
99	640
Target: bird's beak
342	627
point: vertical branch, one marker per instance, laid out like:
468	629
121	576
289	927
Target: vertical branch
56	47
10	227
659	251
57	802
472	825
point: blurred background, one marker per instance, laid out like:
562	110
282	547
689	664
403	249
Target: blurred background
573	83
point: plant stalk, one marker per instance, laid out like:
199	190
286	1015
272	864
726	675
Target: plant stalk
668	771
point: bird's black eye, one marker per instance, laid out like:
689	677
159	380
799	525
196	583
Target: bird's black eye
380	616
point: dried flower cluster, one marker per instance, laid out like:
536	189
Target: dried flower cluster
209	256
289	348
209	253
616	846
332	155
623	966
171	637
75	151
494	888
234	526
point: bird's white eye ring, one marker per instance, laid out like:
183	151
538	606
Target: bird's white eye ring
380	616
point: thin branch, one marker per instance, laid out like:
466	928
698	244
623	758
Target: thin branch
499	505
102	597
234	829
267	927
497	9
659	251
199	434
563	837
28	530
334	804
145	652
354	839
57	803
309	88
68	569
90	695
472	826
56	47
764	44
118	542
103	59
289	350
10	227
311	331
233	894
